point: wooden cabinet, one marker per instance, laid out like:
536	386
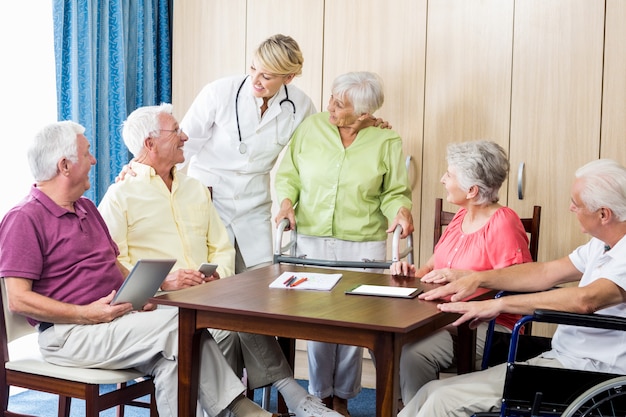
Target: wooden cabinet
216	38
613	133
303	21
467	92
387	38
555	110
545	79
209	42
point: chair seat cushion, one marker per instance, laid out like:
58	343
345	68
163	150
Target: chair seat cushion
25	357
38	366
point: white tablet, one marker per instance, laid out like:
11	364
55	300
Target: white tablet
143	281
385	291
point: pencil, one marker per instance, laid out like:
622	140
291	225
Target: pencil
298	282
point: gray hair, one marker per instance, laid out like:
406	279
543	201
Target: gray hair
280	55
604	185
363	89
51	144
141	124
481	163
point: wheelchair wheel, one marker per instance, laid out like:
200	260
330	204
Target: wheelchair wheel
608	398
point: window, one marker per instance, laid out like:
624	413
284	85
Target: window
28	89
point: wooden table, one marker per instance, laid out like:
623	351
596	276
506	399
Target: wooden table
245	303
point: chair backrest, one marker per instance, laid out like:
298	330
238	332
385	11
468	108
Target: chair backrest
442	219
531	225
14	325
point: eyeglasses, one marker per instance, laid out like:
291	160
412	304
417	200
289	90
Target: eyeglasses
178	131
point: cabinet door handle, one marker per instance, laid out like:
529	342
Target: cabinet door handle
520	181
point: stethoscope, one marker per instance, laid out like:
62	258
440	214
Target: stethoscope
242	146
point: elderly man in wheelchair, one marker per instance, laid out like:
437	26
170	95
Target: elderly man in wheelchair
598	199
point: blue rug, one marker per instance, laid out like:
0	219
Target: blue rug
45	405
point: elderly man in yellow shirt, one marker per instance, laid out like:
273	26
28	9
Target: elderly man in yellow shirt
158	212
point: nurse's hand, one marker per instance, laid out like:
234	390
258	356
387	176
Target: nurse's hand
126	170
368	120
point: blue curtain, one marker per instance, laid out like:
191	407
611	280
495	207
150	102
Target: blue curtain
111	57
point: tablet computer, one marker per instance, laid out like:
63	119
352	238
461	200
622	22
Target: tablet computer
385	291
143	282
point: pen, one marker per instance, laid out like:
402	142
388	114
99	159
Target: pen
289	280
298	282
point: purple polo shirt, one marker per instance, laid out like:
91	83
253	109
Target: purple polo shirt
69	256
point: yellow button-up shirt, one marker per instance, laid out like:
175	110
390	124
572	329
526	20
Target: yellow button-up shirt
146	220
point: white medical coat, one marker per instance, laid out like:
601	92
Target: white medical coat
241	182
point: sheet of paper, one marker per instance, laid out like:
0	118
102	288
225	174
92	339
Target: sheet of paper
385	291
306	281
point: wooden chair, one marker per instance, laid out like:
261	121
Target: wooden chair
531	225
442	219
26	368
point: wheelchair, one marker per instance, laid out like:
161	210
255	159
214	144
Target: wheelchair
535	391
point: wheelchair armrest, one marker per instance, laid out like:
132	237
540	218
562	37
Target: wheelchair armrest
586	320
599	321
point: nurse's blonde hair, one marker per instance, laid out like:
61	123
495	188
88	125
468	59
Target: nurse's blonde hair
280	55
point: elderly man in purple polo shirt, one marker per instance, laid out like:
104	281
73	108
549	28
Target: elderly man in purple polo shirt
61	271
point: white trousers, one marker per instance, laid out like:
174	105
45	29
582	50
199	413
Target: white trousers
147	341
464	395
336	369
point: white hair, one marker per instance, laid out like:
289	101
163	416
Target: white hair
51	144
604	185
481	163
141	124
363	89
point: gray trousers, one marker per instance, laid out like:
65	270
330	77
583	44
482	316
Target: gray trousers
423	360
336	369
147	341
260	355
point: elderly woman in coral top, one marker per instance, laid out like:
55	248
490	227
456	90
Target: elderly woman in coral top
482	235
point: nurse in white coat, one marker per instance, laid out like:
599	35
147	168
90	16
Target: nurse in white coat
237	126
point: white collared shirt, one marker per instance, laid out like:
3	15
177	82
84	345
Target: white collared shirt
589	348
